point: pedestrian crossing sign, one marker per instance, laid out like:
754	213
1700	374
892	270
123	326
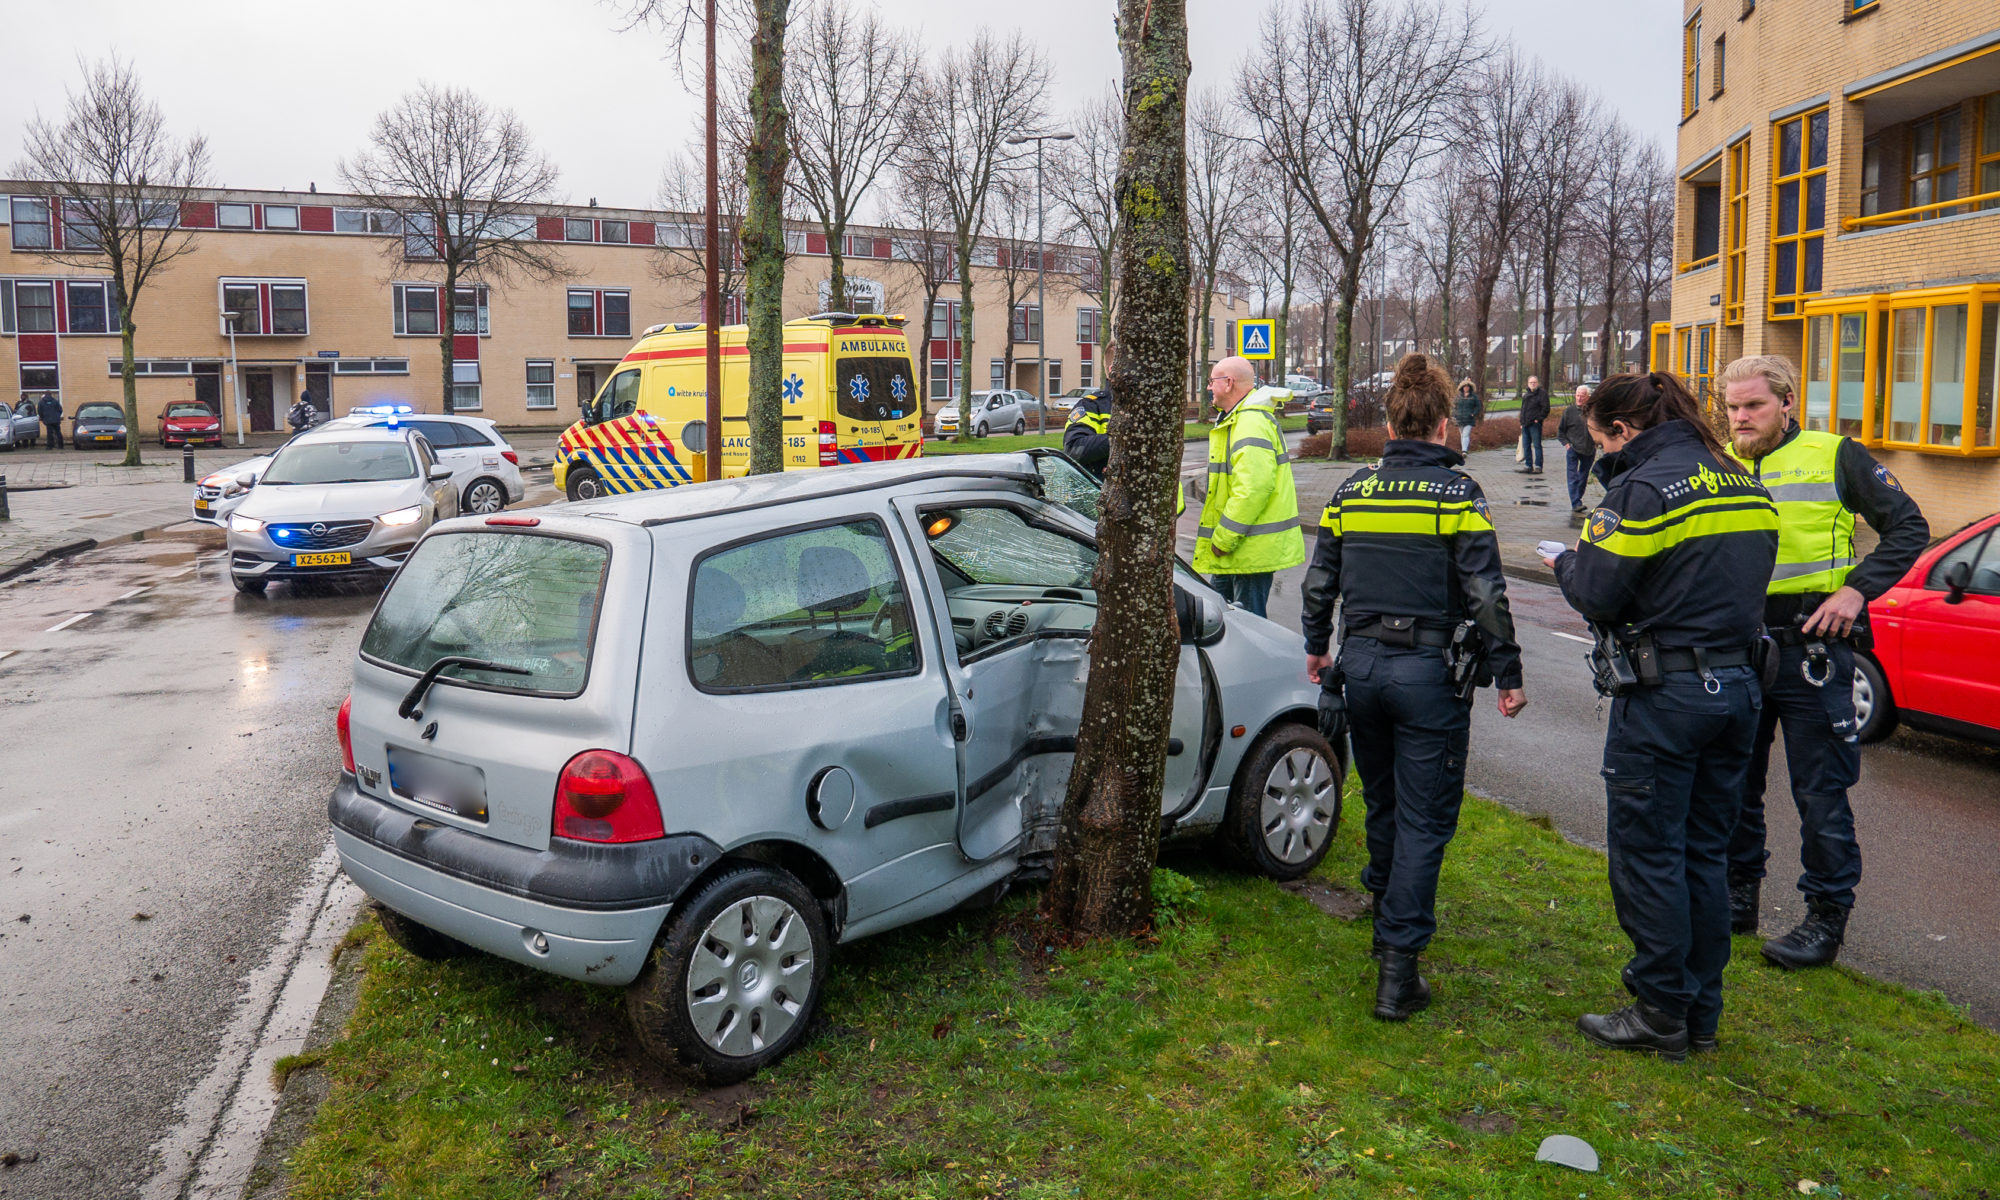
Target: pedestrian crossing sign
1255	339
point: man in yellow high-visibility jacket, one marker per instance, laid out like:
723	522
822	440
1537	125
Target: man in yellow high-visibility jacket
1249	527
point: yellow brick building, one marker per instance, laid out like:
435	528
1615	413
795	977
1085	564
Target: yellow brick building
1839	204
325	301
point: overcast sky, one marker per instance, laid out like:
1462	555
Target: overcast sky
282	94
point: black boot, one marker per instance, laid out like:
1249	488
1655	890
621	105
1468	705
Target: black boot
1638	1026
1743	906
1399	991
1701	1043
1816	941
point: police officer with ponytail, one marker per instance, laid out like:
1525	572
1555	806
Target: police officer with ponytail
1671	572
1408	551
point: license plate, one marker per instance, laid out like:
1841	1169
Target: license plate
201	506
337	558
453	787
105	437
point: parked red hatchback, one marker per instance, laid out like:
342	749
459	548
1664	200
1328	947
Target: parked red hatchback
189	422
1936	662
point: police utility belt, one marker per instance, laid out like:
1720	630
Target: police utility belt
1465	648
1624	660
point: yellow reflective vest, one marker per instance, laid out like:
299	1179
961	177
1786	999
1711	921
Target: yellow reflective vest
1250	522
1815	530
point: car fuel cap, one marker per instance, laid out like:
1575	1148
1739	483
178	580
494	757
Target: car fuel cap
830	799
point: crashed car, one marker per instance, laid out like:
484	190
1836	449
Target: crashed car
690	740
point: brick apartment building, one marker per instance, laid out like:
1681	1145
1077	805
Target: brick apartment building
1839	204
327	302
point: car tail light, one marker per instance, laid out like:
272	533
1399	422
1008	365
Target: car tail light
511	457
344	725
603	796
828	457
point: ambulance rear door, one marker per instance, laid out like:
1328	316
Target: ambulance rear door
877	408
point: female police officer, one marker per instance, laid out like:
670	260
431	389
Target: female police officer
1407	549
1671	573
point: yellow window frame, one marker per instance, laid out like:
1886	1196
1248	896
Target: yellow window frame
1880	310
1656	358
1788	306
1987	127
1736	231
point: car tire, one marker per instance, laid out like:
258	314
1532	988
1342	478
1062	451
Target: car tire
746	940
1020	426
418	938
584	484
1874	708
979	430
250	587
1284	807
483	495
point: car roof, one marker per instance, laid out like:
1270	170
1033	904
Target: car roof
350	433
695	500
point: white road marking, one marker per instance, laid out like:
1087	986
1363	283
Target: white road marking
1572	637
134	592
181	572
208	1156
66	624
7	654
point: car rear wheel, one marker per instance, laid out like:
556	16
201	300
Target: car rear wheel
1020	426
1285	805
735	980
584	484
484	496
249	587
417	938
1874	708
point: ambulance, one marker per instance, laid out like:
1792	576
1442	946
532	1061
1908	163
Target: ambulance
848	391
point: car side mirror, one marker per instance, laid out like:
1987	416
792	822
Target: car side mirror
1200	617
439	473
246	481
1957	578
589	408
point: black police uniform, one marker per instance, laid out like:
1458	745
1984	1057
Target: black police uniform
1821	754
1675	563
1087	437
1407	549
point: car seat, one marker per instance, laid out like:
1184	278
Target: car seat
832	581
720	654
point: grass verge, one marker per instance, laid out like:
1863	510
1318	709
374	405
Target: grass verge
1231	1057
1001	444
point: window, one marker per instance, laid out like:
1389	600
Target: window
582	313
281	216
1027	324
416	310
1798	211
469	311
541	383
152	366
1934	163
597	313
1736	232
690	236
30	215
88	312
997	545
464	385
35	304
80	228
873	389
1707	224
371	366
998	369
616	232
288	308
578	229
420	240
1871	177
617	314
1860	6
1691	66
232	216
944	379
40	379
1717	67
1981	555
240	300
1086	326
1055	379
808	608
362	220
1986	153
941	322
1083	370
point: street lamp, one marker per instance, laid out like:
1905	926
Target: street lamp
1041	279
229	317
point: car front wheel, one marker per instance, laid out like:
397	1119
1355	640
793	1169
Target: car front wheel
1874	708
484	496
249	587
584	484
1285	805
1020	426
736	977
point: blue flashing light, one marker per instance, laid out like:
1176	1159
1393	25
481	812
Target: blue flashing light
383	410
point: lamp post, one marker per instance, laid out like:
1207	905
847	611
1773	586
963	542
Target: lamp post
235	374
1041	278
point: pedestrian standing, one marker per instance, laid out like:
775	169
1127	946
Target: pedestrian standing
51	412
1579	452
1408	551
1534	410
1465	411
1249	527
1671	572
1816	609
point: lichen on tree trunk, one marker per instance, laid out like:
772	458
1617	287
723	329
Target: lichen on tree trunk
1110	830
763	236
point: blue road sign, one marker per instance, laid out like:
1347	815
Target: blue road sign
1255	339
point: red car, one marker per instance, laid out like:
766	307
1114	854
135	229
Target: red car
189	422
1936	662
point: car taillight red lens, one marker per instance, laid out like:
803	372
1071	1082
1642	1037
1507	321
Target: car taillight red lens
603	796
511	457
828	457
344	725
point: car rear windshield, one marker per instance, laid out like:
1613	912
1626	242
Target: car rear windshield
875	389
526	600
342	462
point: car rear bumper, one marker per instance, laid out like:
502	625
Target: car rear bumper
598	908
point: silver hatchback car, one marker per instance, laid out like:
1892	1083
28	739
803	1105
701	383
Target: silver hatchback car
690	740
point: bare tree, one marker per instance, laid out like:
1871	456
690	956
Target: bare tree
1652	241
1353	117
1109	835
113	179
1610	218
767	158
1218	165
923	241
1565	150
1084	186
1495	128
1272	240
848	84
682	253
1437	238
1015	262
974	99
464	181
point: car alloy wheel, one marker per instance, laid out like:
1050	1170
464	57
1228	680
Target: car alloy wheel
484	496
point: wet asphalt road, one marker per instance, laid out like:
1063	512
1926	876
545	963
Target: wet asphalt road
168	755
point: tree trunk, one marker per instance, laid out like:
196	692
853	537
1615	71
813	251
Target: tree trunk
1343	353
1545	361
1280	347
1646	363
836	284
763	237
1110	832
1482	329
1605	331
964	337
130	383
447	325
1204	404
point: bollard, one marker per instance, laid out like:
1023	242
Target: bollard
187	462
4	514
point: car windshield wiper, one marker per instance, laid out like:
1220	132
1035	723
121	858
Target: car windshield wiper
408	708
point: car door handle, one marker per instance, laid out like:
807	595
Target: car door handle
958	729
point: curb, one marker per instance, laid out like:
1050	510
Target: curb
28	562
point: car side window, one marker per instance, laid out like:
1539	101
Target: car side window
440	434
998	546
804	608
621	395
1981	554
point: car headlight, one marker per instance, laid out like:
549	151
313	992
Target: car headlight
242	524
121	429
402	516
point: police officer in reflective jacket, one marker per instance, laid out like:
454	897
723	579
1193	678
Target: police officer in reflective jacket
1670	572
1087	436
1816	609
1407	549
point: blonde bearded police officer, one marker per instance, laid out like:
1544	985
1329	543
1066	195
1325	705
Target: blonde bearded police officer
1249	526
